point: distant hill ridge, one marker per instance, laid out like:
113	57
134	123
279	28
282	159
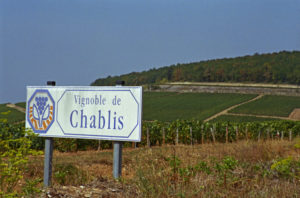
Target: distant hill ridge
278	67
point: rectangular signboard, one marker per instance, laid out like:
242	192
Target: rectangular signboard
107	113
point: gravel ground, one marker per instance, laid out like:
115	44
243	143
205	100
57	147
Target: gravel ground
100	187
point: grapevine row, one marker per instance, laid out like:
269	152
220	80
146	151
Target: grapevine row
176	132
195	131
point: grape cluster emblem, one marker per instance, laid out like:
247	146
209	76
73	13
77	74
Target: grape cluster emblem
41	111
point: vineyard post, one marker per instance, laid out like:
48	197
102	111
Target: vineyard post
133	145
268	134
48	153
226	134
213	134
164	135
282	135
176	136
191	135
148	138
272	136
246	133
290	135
214	130
237	133
202	135
258	137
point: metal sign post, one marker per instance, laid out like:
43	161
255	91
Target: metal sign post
117	162
117	166
48	161
48	154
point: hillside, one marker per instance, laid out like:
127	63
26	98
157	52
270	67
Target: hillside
282	67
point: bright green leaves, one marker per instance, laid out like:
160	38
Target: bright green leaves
14	153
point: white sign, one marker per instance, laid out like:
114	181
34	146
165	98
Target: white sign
108	113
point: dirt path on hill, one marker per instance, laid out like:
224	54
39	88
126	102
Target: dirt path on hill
262	116
21	109
232	107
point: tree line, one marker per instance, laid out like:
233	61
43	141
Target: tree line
278	67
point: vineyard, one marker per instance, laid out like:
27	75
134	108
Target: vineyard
177	118
169	106
178	132
265	106
194	131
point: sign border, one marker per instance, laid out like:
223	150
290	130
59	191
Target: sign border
132	89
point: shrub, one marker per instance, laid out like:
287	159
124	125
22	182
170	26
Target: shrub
69	174
14	152
286	167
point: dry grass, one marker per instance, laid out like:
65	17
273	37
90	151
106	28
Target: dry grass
176	171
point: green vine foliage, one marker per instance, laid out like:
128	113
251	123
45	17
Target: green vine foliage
196	130
15	149
189	131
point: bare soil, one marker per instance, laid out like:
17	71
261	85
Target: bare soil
295	115
21	109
